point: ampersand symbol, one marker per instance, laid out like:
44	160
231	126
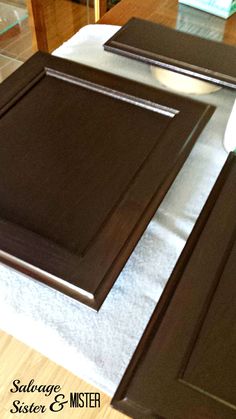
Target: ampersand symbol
58	405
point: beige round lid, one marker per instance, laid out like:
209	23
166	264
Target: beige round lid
181	83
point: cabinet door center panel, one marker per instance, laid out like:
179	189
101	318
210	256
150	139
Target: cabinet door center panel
56	176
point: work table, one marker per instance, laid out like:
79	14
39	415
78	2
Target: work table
169	13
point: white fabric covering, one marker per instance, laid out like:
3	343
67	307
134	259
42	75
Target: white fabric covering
98	346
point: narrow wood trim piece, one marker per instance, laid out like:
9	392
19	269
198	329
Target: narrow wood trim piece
40	27
155	44
97	7
100	8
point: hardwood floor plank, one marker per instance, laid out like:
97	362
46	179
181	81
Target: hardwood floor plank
18	361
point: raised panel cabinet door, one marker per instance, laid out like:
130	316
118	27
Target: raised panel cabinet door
185	364
85	159
155	44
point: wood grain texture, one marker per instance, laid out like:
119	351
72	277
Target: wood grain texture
31	25
79	193
18	361
55	22
155	44
184	366
168	12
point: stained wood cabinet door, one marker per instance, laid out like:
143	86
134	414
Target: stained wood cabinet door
156	45
185	364
86	158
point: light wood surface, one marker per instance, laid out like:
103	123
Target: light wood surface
18	361
166	12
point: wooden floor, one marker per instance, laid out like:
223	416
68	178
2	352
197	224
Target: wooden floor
18	361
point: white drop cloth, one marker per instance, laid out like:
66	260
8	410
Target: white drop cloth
98	346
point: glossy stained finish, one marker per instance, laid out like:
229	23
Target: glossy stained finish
86	158
185	366
177	51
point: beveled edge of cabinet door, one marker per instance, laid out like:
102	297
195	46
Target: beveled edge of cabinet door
120	44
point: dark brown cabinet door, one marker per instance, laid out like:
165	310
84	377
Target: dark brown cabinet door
185	364
174	50
85	159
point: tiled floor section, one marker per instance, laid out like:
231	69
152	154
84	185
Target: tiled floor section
10	15
7	66
15	48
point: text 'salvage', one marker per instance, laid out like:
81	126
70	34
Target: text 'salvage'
56	399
